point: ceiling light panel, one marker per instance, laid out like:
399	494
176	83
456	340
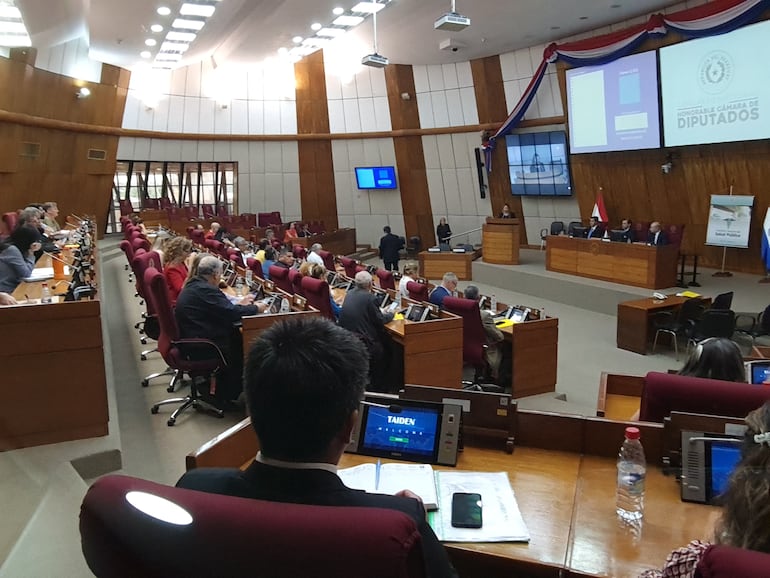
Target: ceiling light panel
7	27
9	12
331	32
164	10
204	10
14	40
187	24
156	28
174	47
315	41
367	7
348	21
182	36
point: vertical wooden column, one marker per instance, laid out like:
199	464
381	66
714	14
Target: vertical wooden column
490	102
318	195
413	180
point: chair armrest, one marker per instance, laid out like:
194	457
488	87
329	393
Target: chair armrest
196	348
754	318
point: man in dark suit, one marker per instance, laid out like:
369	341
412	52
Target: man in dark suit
390	245
361	315
304	382
655	235
595	229
447	288
203	311
628	232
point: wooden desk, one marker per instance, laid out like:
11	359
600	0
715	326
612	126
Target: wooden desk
534	353
339	242
500	241
254	325
635	331
434	265
628	263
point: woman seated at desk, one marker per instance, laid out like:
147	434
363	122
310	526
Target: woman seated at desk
745	520
176	257
17	257
411	273
319	272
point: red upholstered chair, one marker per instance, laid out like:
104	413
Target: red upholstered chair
165	203
126	208
663	393
11	219
196	357
417	291
316	227
674	234
299	251
248	220
223	211
240	537
728	562
349	265
295	278
275	219
386	279
317	294
191	212
280	276
328	259
198	236
126	247
264	219
641	230
474	337
208	211
216	247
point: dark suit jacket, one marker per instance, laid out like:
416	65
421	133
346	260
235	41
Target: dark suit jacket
437	296
317	487
662	239
360	314
597	233
628	236
390	245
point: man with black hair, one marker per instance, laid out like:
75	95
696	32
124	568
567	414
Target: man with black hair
304	381
390	245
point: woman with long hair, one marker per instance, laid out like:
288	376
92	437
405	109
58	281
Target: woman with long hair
17	257
716	358
175	257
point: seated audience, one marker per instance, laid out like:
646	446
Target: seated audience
492	353
50	224
176	255
203	311
313	256
745	517
17	257
269	260
655	235
218	233
285	259
30	217
260	254
6	299
290	234
390	245
443	232
411	274
716	358
270	236
595	229
447	287
137	221
319	272
307	376
361	315
506	213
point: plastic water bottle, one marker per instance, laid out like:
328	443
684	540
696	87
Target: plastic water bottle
632	470
493	303
249	277
45	294
239	287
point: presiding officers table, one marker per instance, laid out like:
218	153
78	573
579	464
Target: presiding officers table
628	263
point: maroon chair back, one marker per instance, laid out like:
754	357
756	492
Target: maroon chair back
249	220
216	247
275	217
317	294
11	220
126	208
140	243
256	267
674	234
295	278
144	260
198	236
223	211
328	259
719	561
228	536
126	247
417	291
153	204
316	227
280	276
474	337
386	279
299	251
165	203
349	265
264	219
641	229
191	212
208	211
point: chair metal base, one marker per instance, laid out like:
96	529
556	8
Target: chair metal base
673	337
191	400
147	352
167	371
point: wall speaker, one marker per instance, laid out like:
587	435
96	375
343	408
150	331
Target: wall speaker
480	172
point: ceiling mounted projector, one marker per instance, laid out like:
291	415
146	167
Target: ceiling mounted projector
375	60
452	21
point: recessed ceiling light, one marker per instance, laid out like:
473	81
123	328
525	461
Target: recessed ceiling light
331	32
8	40
338	11
188	24
156	28
9	11
164	10
204	10
174	47
145	54
283	50
315	41
297	39
315	26
12	27
150	42
168	56
368	7
348	21
183	36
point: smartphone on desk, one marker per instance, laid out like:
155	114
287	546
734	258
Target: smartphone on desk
466	510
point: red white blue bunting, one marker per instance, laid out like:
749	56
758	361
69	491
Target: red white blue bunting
710	19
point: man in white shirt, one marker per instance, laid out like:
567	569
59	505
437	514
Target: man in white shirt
314	256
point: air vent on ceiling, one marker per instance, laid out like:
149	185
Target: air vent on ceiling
30	150
96	154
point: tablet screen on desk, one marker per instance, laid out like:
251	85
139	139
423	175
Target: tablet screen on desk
410	434
417	313
760	372
381	298
721	459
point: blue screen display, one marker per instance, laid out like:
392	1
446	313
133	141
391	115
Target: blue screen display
760	373
412	430
724	458
376	177
538	164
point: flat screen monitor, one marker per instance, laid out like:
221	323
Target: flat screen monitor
410	434
760	372
618	235
539	164
417	312
712	90
331	277
381	298
579	231
376	177
614	106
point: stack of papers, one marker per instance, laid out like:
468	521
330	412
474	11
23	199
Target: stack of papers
40	274
392	478
688	294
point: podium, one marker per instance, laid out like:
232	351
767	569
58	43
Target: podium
500	241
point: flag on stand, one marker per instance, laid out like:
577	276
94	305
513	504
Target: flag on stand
600	212
766	240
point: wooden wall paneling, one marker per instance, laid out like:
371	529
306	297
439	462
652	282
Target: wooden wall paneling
10	137
410	157
490	103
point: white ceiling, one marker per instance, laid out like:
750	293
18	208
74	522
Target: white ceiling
248	31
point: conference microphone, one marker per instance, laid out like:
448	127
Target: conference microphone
52	256
391	408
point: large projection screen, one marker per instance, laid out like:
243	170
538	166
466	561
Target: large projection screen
716	89
614	107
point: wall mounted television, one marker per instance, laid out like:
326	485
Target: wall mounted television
376	177
539	164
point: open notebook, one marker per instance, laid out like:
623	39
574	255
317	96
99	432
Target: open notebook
392	478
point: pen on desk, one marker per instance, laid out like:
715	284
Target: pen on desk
377	475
